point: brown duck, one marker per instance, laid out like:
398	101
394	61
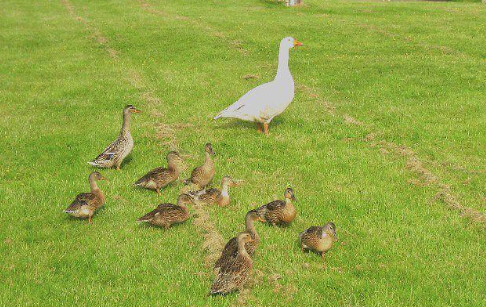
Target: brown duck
85	204
168	214
116	152
202	175
279	211
230	250
216	196
234	275
160	177
318	239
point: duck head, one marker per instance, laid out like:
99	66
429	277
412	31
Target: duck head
289	194
130	109
244	237
209	148
184	199
230	182
173	158
330	229
253	215
95	176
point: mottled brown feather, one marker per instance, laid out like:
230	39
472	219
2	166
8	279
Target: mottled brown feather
166	215
277	212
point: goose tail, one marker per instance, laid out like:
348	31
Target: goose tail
220	114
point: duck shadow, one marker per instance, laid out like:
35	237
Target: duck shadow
143	225
126	161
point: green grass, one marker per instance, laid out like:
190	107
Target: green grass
413	73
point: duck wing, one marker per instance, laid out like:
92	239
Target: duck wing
83	199
314	231
232	276
162	209
275	205
157	174
109	153
230	251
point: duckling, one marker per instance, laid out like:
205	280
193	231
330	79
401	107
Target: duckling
167	214
219	197
202	175
235	274
230	250
86	204
279	211
318	239
114	154
161	177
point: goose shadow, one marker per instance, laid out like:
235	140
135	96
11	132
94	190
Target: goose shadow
234	124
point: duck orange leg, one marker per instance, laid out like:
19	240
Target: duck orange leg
158	192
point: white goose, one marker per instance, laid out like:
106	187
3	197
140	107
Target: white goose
268	100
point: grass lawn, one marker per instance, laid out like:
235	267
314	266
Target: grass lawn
385	137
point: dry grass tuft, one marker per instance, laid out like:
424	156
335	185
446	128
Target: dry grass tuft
348	119
213	241
427	178
250	76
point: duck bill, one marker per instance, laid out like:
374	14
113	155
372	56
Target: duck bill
236	183
136	111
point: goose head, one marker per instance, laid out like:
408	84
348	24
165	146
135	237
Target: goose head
289	43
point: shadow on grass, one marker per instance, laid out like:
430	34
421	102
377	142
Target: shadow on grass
239	124
145	225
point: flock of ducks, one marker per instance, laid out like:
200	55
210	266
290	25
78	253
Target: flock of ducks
234	266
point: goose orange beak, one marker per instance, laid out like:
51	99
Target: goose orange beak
297	43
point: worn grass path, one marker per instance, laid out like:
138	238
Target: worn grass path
385	137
